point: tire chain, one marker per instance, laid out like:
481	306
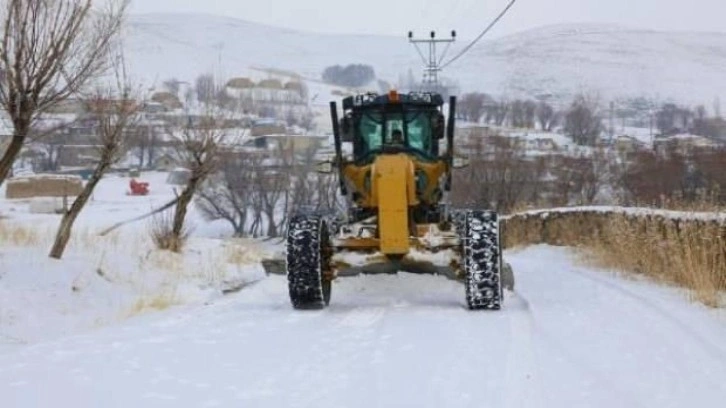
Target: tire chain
303	266
481	258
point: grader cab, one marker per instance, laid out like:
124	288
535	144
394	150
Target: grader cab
397	182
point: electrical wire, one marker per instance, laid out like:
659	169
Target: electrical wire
482	34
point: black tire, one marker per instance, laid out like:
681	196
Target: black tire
308	259
482	260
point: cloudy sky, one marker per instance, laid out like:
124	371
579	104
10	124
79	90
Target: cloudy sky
396	17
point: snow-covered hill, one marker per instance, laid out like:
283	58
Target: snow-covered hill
558	60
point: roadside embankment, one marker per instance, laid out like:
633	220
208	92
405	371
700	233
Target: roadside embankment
685	249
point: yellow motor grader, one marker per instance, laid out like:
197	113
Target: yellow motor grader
397	181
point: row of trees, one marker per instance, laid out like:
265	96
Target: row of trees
482	108
501	176
352	75
585	119
672	119
256	192
581	121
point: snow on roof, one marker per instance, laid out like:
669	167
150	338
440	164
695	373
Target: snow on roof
643	135
688	136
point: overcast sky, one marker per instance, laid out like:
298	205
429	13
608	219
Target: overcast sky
396	17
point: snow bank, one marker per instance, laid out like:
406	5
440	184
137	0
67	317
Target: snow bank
102	280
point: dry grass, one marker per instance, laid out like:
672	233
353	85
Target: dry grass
706	201
12	234
126	259
161	230
154	302
687	253
240	253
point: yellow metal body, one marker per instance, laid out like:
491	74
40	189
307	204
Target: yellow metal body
389	185
359	178
394	190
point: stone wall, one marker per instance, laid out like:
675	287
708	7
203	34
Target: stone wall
43	186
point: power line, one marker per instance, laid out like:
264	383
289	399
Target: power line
431	70
483	33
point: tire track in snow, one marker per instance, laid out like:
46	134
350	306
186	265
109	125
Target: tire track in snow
523	381
713	349
362	317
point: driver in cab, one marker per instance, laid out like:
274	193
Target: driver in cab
397	138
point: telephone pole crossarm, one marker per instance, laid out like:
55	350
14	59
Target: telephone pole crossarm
433	62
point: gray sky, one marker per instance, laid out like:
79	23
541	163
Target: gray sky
396	17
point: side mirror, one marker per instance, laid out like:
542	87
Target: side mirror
325	167
346	129
460	162
438	124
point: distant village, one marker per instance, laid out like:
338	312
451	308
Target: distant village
267	114
276	122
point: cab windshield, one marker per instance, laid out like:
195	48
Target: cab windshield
411	129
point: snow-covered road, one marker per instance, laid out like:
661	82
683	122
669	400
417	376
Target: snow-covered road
568	337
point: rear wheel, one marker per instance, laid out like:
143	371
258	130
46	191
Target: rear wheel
308	261
482	259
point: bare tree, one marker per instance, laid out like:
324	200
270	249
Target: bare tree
579	179
669	119
144	141
530	110
523	114
516	115
271	189
652	177
206	88
257	191
227	193
500	175
52	146
49	51
51	140
472	106
197	149
546	116
114	112
583	122
500	110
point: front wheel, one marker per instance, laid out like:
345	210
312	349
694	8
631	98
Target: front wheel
482	259
308	260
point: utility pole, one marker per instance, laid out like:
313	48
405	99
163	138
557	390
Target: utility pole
611	130
432	64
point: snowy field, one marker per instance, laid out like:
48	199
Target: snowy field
104	280
569	336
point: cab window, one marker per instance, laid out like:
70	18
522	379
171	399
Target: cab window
419	131
415	126
371	131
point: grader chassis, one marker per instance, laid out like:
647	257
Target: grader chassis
397	182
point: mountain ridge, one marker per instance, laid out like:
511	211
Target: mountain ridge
559	60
